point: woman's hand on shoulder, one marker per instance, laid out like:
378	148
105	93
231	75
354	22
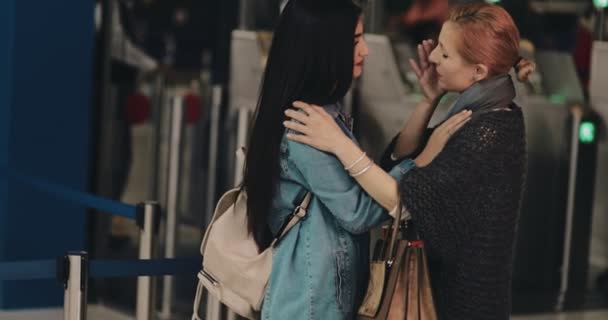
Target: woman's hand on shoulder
315	127
441	135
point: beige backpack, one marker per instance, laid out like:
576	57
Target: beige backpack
234	272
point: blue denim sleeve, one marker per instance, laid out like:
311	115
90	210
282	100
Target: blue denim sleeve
402	168
325	176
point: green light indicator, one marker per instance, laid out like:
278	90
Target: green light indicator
492	1
586	132
600	3
557	98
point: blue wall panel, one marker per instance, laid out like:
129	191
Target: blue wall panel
45	105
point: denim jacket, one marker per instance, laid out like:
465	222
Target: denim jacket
320	268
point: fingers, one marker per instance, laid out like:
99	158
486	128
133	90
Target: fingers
424	51
415	67
298	138
297	127
308	108
457	118
321	111
422	57
455	122
528	69
296	115
316	113
458	126
429	45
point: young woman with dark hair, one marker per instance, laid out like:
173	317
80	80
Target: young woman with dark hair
320	269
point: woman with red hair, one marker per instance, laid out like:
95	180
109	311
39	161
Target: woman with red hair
463	185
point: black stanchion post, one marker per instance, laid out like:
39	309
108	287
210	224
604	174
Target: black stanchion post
73	271
148	219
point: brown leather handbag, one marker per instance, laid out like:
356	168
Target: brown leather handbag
399	286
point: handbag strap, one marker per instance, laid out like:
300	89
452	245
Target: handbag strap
298	214
394	231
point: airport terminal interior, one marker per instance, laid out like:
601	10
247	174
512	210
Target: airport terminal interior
120	121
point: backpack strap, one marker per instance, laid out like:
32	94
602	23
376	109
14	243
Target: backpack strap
298	214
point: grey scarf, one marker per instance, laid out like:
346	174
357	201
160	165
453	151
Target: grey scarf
485	96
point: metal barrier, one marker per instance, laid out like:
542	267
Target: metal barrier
213	307
549	273
175	138
214	136
178	164
148	222
173	126
74	269
75	286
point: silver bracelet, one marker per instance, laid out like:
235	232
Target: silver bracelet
356	162
364	170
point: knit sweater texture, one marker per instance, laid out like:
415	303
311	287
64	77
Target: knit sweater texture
465	205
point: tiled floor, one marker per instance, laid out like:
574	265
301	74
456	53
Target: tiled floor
102	313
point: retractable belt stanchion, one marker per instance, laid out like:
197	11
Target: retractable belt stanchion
177	126
73	269
213	307
148	218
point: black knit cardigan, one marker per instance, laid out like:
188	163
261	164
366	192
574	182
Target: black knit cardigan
465	205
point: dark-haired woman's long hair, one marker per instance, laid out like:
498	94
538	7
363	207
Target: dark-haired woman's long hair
310	59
